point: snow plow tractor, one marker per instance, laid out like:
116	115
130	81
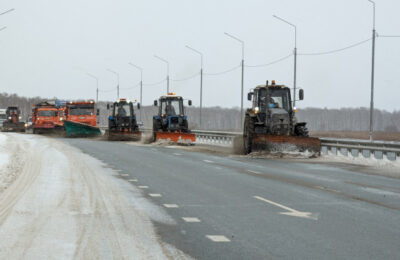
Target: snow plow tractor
122	123
12	123
271	125
171	124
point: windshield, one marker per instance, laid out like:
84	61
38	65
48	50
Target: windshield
82	111
279	98
122	109
171	107
47	113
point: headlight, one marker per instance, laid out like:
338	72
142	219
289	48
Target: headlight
26	125
295	109
61	119
20	117
9	117
256	109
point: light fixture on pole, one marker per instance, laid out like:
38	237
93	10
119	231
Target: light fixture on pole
116	73
10	10
141	86
371	112
164	60
201	78
242	83
295	57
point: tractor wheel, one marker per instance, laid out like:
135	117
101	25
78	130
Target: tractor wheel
248	131
156	127
301	130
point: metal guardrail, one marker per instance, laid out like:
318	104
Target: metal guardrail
344	147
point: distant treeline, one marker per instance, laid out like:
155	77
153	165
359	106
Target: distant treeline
217	118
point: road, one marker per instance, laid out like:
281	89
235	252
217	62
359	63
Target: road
236	207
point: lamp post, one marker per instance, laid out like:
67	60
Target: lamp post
242	82
371	112
97	86
10	10
295	57
165	61
141	85
201	78
116	73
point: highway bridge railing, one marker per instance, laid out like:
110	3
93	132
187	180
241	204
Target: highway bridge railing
332	146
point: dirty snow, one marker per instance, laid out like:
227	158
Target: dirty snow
63	204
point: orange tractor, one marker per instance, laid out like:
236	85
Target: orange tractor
171	124
13	123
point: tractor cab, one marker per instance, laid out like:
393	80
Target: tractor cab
13	120
122	122
171	119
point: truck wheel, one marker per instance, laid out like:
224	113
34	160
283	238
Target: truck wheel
248	131
301	130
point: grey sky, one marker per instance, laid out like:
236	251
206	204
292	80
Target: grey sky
49	45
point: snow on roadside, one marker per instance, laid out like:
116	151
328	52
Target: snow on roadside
67	205
379	166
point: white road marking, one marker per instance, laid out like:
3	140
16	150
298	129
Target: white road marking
208	161
132	180
171	206
155	195
291	212
215	238
178	154
124	175
143	187
191	220
250	171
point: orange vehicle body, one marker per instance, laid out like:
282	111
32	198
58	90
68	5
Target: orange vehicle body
81	112
47	117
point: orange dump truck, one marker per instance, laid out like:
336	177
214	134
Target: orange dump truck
47	118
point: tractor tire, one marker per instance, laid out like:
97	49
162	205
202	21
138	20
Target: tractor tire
248	132
156	127
301	130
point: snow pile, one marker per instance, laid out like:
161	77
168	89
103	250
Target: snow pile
376	165
66	205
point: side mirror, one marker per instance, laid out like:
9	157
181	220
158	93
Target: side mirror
249	95
108	106
155	103
138	105
98	112
190	102
301	94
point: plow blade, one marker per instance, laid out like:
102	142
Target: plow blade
75	129
276	143
176	137
123	136
13	127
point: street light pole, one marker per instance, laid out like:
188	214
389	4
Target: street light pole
141	86
116	73
201	78
242	82
295	57
97	86
10	10
163	60
371	112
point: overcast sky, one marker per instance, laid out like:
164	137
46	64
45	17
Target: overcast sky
49	45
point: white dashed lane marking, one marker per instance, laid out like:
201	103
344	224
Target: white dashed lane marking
155	195
208	161
191	220
216	238
250	171
132	180
171	206
143	187
124	175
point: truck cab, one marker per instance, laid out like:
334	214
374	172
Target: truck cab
83	112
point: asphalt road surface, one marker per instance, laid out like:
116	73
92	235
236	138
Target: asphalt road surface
237	207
